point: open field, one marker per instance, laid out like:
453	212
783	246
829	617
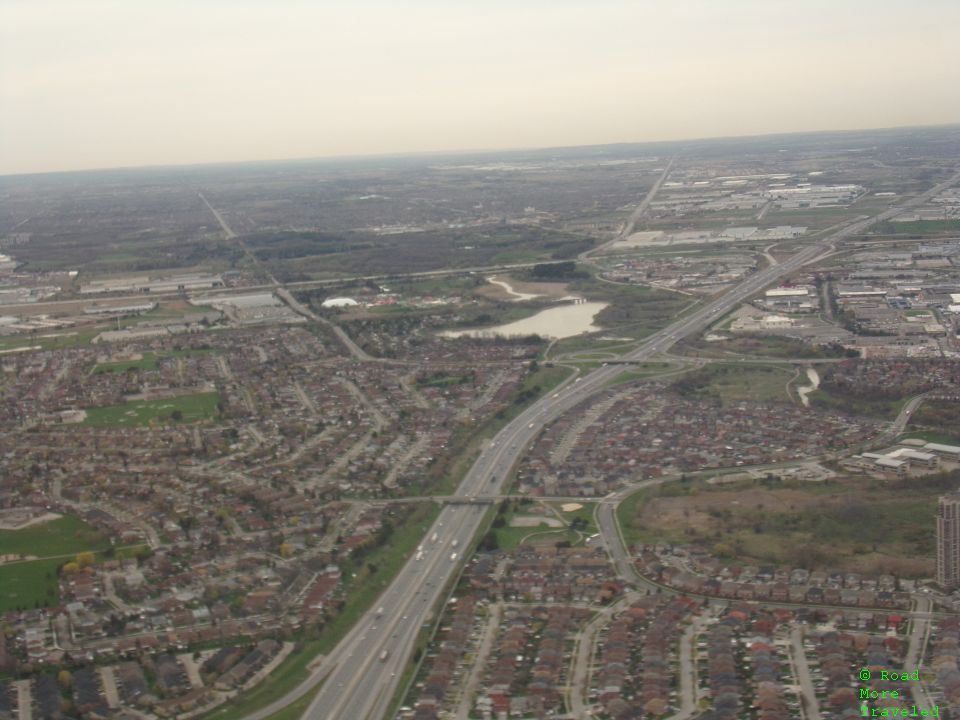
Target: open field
648	370
854	524
34	583
545	290
728	383
64	535
510	538
516	524
878	408
147	361
581	518
192	408
28	585
50	341
940	418
919	227
769	346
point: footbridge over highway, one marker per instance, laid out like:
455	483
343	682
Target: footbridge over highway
479	500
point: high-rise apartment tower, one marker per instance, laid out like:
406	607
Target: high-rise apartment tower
948	541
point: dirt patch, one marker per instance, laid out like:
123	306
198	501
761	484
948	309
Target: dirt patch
19	518
533	521
72	416
706	510
544	291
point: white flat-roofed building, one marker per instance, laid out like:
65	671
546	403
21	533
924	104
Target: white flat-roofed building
888	464
239	301
917	457
949	451
780	232
142	283
776	321
120	309
859	291
787	292
739	233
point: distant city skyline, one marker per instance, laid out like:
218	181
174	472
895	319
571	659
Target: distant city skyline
116	84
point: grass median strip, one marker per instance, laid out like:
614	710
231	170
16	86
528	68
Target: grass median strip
373	571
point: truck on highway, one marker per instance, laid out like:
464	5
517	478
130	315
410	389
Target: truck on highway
379	611
433	538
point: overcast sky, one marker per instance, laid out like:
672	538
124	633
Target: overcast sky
97	83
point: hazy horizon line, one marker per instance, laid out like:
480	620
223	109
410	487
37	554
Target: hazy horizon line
466	151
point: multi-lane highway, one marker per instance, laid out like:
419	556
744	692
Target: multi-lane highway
362	672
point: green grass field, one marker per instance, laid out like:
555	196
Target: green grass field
193	408
730	383
34	583
919	227
28	585
65	535
648	370
53	342
294	711
885	409
759	346
509	538
584	515
147	362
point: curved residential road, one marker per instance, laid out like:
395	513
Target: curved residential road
363	671
358	352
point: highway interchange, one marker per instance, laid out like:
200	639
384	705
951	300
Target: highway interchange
361	675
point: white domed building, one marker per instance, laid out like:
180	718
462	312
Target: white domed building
339	302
